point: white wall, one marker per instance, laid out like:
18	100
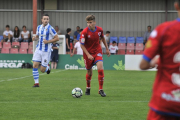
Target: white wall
132	62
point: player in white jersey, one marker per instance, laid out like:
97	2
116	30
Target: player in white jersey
46	35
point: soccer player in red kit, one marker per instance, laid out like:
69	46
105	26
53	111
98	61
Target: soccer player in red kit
165	42
92	52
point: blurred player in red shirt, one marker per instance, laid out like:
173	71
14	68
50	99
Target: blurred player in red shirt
92	52
165	42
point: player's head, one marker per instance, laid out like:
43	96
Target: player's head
7	27
77	28
68	30
45	19
56	28
149	28
24	28
114	43
177	5
108	33
91	21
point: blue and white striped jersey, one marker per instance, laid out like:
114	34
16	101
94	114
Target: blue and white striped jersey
46	33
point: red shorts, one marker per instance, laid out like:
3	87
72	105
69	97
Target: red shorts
90	63
154	116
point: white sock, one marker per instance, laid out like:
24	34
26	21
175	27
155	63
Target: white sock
36	81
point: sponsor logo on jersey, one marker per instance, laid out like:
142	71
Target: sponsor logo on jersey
82	40
89	36
99	33
99	54
82	35
45	60
153	34
149	44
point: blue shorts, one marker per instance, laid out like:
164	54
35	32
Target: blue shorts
54	58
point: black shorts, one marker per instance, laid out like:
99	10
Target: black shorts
67	50
54	58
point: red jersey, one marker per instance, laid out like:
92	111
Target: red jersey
90	39
165	41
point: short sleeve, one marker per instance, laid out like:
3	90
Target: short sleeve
67	36
152	45
37	30
4	33
82	37
52	31
11	32
116	48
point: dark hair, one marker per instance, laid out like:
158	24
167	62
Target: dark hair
7	26
16	33
81	30
23	26
108	32
56	26
68	30
178	1
78	26
90	17
45	15
114	42
149	26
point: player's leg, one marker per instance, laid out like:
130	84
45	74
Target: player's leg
100	77
88	65
55	65
52	64
88	81
44	63
36	62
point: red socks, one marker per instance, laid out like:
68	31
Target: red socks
88	81
101	78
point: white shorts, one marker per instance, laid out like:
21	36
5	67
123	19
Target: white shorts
43	57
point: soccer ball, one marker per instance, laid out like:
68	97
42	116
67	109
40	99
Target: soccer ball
77	92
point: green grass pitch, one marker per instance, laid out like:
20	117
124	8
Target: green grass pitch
128	93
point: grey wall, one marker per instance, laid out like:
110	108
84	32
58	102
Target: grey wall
119	23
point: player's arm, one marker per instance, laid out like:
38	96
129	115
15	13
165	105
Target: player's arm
149	59
67	43
55	37
104	42
34	38
73	51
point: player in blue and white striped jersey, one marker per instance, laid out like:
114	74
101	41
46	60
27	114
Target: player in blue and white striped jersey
46	35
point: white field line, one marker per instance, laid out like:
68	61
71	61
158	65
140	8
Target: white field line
71	101
29	76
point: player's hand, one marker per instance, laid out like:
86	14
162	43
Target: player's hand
45	41
68	47
154	61
72	54
107	52
33	38
90	57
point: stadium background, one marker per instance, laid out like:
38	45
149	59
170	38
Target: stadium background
121	17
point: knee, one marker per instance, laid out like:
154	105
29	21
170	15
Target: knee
89	73
35	66
43	70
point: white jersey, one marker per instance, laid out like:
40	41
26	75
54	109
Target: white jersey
79	49
46	33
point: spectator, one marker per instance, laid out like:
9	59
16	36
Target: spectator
77	47
25	35
147	34
68	40
16	34
54	55
7	35
76	32
79	34
106	37
113	48
57	30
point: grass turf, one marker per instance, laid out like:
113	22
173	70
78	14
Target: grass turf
128	93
